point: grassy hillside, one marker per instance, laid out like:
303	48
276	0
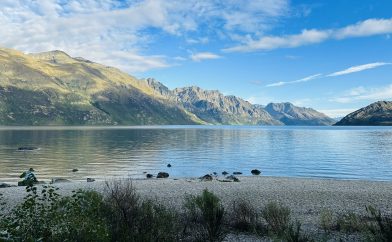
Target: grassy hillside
53	88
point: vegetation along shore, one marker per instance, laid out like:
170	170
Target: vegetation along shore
255	209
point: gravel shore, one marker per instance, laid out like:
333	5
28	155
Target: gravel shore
305	197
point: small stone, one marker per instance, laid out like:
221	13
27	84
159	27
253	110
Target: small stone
237	173
169	165
225	173
90	179
232	178
75	170
149	176
163	175
215	173
255	172
207	177
144	172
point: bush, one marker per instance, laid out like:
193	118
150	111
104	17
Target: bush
45	216
84	217
295	234
132	219
380	226
277	218
350	222
327	222
206	211
244	217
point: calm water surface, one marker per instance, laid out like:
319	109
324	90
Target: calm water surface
99	152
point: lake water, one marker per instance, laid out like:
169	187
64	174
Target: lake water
103	152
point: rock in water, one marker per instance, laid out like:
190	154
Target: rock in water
75	170
90	179
237	173
149	176
27	148
28	178
206	178
59	180
163	175
169	165
255	172
232	178
5	185
225	173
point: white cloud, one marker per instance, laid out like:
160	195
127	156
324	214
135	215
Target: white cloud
347	71
368	27
359	68
306	79
365	28
337	113
120	33
365	94
204	56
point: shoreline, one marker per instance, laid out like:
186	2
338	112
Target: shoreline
306	198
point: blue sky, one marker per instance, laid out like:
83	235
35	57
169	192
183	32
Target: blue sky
332	55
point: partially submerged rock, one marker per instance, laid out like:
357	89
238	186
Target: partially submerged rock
169	165
90	179
255	172
149	176
75	170
59	180
163	175
232	178
207	177
225	173
27	148
29	178
237	173
5	185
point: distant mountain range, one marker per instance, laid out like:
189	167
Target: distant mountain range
378	113
52	88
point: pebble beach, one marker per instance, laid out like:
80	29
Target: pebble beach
306	198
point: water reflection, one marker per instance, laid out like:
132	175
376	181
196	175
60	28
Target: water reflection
348	153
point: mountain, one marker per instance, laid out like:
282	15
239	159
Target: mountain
378	113
289	114
213	107
53	88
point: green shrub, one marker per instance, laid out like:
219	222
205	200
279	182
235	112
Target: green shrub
277	218
206	212
327	220
157	223
45	216
294	234
380	226
244	217
84	217
132	219
350	222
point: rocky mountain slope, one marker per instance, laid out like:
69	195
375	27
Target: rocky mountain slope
378	113
53	88
289	114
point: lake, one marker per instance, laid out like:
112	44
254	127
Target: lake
103	152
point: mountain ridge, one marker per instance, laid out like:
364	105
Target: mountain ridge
53	88
378	113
